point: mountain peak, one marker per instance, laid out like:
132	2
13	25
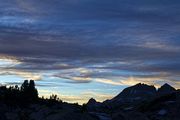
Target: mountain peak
166	85
92	101
166	89
135	93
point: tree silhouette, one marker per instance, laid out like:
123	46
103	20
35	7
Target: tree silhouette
29	92
24	94
25	86
33	93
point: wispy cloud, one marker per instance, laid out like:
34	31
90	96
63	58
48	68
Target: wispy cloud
23	74
81	98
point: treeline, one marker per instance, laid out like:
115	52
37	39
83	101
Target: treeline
24	94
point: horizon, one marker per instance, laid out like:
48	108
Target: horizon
81	102
82	49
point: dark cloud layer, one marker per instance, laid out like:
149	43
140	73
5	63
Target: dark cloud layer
138	37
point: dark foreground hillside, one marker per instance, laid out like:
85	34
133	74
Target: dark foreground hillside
138	102
23	103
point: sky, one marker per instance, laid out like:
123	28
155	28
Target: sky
80	49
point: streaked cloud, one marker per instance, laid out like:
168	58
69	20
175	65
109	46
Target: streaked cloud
81	98
23	74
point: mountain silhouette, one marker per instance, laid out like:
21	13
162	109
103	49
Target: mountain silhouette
135	93
166	89
138	102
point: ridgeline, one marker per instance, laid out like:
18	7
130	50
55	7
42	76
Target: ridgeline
138	102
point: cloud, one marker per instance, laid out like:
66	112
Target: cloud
81	98
77	75
23	74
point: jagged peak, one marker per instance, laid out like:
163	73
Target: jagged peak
139	90
142	85
92	100
166	85
166	88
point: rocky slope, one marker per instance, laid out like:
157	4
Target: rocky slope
142	102
37	111
135	93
